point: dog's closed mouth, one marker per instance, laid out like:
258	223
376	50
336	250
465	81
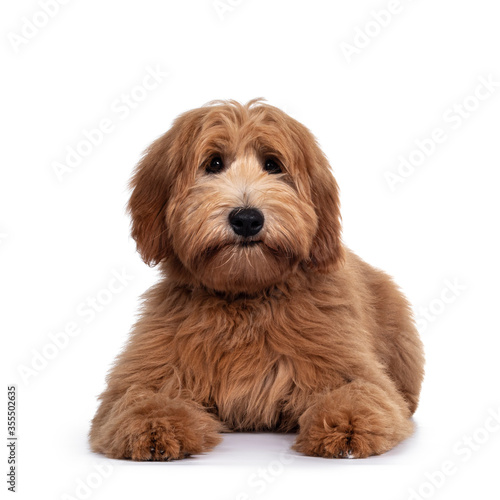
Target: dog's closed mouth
249	243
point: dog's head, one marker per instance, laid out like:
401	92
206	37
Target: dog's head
240	196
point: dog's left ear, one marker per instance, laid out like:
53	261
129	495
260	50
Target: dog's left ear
327	249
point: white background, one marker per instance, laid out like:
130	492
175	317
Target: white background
61	240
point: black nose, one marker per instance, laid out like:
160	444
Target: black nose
246	221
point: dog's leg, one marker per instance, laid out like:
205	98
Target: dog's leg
356	420
147	425
405	361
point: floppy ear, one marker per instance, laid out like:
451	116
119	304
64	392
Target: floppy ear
147	204
162	168
327	249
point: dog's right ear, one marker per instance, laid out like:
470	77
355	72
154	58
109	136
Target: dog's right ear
155	177
147	204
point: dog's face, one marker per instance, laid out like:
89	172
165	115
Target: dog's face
238	195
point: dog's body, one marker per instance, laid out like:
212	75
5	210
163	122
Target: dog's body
263	320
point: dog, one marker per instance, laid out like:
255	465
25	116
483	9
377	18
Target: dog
263	319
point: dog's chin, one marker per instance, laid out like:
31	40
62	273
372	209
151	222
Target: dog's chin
245	266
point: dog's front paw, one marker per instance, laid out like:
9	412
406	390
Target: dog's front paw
149	432
341	437
355	421
159	438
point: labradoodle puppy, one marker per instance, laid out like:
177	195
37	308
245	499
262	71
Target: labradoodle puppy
262	320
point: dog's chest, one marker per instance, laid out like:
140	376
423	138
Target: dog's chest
252	393
238	359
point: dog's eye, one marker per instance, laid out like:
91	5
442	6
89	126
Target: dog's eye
215	165
272	166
